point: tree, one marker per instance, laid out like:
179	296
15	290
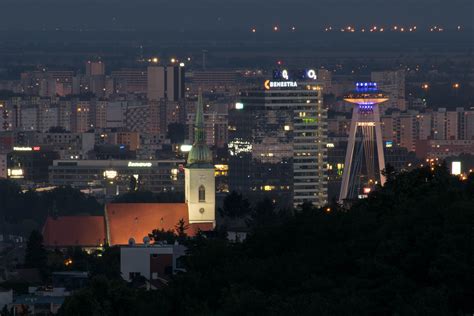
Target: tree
264	214
103	297
144	196
107	264
180	229
235	206
405	250
35	256
70	201
389	172
161	235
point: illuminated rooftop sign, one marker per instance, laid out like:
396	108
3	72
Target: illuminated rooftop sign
298	74
26	148
279	84
22	148
140	164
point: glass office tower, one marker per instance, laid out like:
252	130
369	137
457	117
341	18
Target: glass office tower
277	141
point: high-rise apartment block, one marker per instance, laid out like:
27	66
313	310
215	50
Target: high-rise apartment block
165	82
95	68
392	83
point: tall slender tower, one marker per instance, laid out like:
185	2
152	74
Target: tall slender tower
365	126
200	187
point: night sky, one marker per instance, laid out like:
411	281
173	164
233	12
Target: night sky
182	15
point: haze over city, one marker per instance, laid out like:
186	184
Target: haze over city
211	15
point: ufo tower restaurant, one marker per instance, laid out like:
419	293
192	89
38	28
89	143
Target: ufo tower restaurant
364	156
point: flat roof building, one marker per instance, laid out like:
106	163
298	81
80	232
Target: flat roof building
153	175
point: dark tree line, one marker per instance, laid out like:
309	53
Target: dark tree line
144	196
21	212
408	249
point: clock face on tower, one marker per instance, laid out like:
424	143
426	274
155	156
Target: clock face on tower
201	210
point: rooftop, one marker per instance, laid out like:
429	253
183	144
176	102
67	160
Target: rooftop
68	231
137	220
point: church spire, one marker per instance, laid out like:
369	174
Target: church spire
199	132
200	155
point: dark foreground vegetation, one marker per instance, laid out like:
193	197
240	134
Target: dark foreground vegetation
406	250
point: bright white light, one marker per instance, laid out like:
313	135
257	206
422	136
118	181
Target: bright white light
110	174
15	173
456	168
239	106
284	74
22	148
238	146
181	64
139	164
185	148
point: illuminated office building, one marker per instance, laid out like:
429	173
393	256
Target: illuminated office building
153	175
277	140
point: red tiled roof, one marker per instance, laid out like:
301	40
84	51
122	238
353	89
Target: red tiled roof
66	231
137	220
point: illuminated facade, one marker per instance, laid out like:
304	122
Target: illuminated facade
277	141
153	175
366	122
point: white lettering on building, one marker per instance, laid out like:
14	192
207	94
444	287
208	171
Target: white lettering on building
139	164
283	84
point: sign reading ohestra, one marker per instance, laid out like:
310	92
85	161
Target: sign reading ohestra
280	84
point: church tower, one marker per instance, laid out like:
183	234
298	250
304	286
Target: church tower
200	184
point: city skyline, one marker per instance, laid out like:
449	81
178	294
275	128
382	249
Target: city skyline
239	157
